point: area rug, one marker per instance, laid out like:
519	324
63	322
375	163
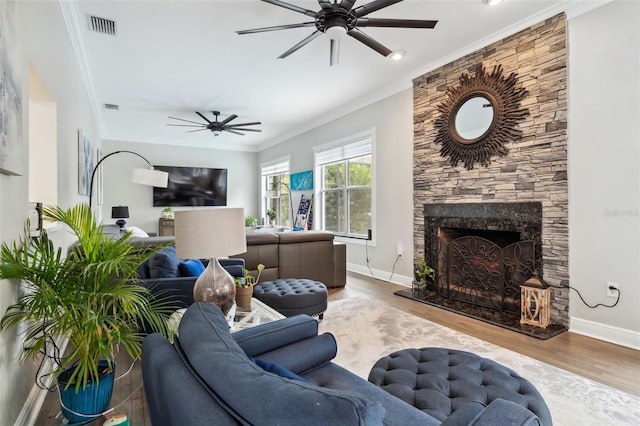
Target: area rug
367	330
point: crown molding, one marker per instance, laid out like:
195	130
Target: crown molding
73	21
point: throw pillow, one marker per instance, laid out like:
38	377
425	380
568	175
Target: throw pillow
191	268
136	232
276	369
164	264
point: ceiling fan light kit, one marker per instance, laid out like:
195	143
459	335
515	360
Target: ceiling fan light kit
337	18
396	55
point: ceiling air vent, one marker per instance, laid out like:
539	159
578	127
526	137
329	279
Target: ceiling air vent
111	106
102	25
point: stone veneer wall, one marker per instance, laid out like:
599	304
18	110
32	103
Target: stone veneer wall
535	169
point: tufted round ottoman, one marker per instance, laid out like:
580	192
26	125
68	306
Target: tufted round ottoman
292	296
438	381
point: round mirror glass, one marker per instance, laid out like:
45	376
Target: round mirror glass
474	118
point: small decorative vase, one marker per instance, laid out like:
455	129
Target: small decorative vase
243	296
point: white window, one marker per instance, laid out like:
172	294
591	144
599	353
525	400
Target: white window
344	172
276	196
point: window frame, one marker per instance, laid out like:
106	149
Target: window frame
341	151
275	171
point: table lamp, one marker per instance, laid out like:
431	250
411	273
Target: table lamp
209	234
121	213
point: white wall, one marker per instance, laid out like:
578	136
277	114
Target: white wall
393	120
42	39
243	178
604	169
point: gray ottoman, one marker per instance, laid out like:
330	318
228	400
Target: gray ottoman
292	296
438	381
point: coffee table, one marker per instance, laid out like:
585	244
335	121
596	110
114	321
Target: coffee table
238	318
259	313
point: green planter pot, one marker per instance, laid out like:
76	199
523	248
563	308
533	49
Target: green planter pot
90	402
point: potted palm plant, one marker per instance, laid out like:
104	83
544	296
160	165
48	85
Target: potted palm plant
90	297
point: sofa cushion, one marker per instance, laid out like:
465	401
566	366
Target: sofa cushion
164	264
225	368
191	268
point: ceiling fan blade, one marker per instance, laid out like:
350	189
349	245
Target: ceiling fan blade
325	5
188	121
228	119
199	130
204	118
244	130
233	131
334	52
253	123
308	39
291	7
395	23
187	125
276	28
346	4
363	38
368	8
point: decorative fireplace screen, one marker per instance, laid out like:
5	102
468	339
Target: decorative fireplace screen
480	271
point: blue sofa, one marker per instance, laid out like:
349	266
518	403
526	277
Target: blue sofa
276	373
167	276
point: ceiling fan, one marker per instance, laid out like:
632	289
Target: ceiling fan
217	126
339	18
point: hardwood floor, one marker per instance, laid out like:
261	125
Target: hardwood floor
613	365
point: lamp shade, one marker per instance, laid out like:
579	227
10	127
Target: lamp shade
210	233
120	212
150	177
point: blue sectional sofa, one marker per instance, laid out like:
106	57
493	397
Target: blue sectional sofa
276	373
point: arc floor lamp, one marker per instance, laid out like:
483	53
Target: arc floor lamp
149	177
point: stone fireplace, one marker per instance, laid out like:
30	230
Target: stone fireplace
503	220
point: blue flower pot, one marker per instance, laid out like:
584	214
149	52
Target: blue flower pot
89	402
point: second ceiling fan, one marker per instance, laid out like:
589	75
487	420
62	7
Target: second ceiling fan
338	18
217	126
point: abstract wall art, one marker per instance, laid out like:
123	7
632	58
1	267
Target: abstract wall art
86	163
11	131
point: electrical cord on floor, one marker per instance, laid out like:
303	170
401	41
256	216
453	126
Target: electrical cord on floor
393	268
366	254
596	305
366	251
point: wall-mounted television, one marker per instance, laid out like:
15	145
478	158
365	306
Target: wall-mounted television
192	186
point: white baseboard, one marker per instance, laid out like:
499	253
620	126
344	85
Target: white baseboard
608	333
380	275
32	406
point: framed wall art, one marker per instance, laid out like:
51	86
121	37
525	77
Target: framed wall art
86	163
11	134
302	181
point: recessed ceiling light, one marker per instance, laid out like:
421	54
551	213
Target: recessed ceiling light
491	2
396	55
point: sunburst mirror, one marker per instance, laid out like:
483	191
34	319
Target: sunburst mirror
479	116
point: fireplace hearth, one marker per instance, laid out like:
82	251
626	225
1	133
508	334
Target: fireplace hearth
482	253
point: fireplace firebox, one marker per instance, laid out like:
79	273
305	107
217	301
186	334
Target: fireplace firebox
482	253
